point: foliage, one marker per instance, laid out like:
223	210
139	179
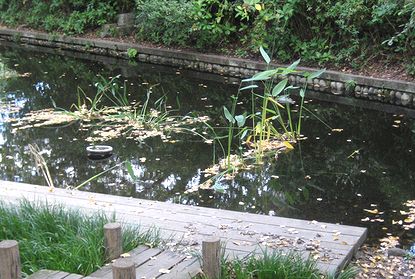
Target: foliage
53	237
164	21
132	53
329	31
69	16
269	126
342	32
276	265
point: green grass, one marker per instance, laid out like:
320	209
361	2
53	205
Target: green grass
276	265
54	237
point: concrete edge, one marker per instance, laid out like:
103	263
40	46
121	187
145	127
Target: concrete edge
387	91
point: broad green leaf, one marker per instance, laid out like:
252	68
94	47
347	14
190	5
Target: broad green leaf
130	170
302	92
240	120
249	87
294	65
261	76
279	87
315	74
265	55
228	115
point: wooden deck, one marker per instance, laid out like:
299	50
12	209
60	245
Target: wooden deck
149	263
186	226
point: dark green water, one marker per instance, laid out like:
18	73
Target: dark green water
322	179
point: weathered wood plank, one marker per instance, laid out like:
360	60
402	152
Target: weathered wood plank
41	274
166	260
188	268
74	276
168	208
139	256
230	230
242	232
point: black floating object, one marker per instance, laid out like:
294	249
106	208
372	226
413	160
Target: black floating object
99	152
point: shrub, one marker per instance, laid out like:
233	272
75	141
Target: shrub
69	16
164	21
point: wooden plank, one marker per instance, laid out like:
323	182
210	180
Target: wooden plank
215	225
188	268
190	210
139	256
74	276
58	275
42	274
249	246
243	232
165	260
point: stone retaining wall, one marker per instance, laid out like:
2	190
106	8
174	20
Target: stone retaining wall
335	83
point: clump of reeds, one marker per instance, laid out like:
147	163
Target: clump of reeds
57	238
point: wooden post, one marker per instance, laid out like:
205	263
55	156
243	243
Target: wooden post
211	257
123	269
112	241
9	260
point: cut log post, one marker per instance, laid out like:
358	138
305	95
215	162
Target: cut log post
123	269
112	241
211	257
10	260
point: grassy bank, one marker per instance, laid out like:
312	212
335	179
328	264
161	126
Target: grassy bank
350	33
53	237
275	265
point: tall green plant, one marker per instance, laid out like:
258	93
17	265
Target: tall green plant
270	120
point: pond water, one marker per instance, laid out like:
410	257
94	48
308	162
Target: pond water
331	176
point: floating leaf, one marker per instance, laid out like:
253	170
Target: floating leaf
374	211
410	219
288	145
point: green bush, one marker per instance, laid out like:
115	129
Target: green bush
350	32
69	16
164	21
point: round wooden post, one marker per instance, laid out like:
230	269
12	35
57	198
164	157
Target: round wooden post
211	257
123	269
9	260
112	241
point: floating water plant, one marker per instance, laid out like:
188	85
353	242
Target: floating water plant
110	114
268	128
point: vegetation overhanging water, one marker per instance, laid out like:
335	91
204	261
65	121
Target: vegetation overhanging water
360	172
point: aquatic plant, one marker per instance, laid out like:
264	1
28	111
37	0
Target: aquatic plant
110	114
269	126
